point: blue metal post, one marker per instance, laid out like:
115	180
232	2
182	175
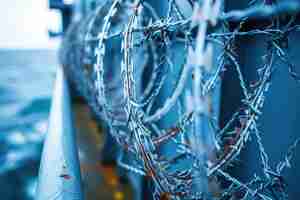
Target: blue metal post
59	174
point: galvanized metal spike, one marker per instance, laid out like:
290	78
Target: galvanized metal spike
59	174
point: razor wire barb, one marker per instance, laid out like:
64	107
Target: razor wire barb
135	118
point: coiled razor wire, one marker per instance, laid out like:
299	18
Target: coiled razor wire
120	59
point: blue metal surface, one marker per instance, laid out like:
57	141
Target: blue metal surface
59	175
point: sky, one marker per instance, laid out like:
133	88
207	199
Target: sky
25	24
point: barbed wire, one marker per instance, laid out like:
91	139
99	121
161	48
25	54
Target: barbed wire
107	55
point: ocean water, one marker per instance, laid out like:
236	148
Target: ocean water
26	81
